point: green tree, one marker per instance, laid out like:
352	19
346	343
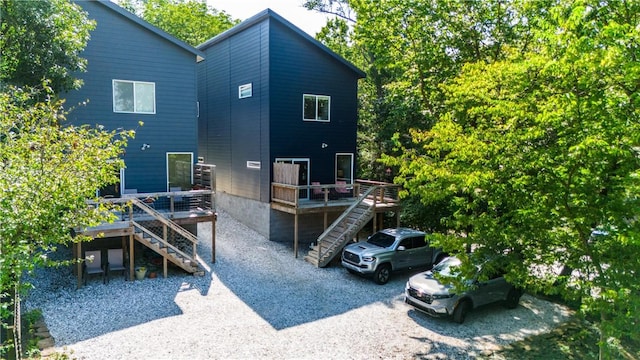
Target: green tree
407	49
42	40
191	21
48	170
539	147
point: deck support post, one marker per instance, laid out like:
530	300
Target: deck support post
375	222
127	252
131	257
79	263
295	235
164	267
214	218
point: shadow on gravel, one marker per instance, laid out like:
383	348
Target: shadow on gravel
287	291
494	323
294	297
74	315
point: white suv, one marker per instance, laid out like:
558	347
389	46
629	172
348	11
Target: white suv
424	292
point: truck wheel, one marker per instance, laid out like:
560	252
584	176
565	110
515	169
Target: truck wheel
461	311
382	274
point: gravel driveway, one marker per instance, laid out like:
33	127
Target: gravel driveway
258	301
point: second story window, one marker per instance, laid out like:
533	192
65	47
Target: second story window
316	107
134	97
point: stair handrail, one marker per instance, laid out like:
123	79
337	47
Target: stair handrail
341	218
166	243
170	223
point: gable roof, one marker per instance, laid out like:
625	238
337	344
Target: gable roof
266	14
132	17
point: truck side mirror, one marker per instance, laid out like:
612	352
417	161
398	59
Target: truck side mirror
401	248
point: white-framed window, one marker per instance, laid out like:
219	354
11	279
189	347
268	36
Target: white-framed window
134	97
316	107
245	91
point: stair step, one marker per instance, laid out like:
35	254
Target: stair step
328	246
311	260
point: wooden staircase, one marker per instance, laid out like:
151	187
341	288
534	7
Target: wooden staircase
344	229
170	240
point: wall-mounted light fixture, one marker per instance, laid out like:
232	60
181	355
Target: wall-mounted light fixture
324	145
145	146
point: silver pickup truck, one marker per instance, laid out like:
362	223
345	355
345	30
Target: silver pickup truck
390	250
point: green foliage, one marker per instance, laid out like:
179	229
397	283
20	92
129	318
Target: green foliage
48	170
407	49
539	147
191	21
42	40
32	316
515	124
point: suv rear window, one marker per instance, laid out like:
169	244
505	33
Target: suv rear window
381	239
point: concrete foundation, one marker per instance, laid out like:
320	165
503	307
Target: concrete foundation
274	225
254	214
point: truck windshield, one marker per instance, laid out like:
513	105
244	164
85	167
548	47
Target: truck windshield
381	239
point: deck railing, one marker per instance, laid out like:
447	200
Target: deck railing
170	203
293	195
384	193
158	226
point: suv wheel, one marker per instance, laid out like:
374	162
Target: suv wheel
461	311
382	274
513	298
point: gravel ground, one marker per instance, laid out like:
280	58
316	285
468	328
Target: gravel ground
258	301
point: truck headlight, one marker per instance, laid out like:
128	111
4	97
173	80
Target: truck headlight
368	258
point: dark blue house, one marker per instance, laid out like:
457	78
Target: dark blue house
269	93
138	73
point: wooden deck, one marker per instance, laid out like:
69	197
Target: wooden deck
123	227
174	209
332	198
286	197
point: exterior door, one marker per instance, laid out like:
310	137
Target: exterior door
179	171
344	168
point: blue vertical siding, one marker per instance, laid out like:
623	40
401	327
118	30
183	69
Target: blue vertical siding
282	65
299	67
216	144
237	127
121	49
